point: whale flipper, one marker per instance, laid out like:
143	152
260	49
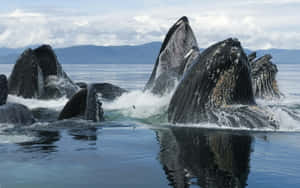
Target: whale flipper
178	44
218	79
263	73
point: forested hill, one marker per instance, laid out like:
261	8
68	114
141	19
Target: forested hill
140	54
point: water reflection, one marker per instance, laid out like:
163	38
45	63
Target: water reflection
84	134
45	142
204	158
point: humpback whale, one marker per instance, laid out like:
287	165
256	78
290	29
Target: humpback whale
3	89
38	74
10	112
84	104
218	84
106	90
263	74
179	48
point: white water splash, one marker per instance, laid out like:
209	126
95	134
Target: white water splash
287	123
55	104
138	104
208	125
11	139
6	138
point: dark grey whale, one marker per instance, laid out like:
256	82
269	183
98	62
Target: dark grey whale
10	112
263	74
218	88
84	104
178	50
3	89
38	74
106	90
26	79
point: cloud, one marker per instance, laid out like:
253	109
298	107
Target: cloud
256	26
281	2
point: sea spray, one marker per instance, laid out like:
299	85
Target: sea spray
8	137
139	104
56	104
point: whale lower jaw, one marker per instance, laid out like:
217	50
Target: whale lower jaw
242	116
233	116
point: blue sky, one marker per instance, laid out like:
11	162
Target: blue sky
259	24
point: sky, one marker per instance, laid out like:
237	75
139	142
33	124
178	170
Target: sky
258	24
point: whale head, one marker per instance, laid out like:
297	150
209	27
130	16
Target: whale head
218	77
172	57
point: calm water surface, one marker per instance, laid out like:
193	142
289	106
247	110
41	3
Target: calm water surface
137	148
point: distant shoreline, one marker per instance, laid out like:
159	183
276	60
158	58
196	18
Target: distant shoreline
139	54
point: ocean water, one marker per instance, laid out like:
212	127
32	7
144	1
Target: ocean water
136	147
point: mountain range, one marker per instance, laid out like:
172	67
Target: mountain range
139	54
